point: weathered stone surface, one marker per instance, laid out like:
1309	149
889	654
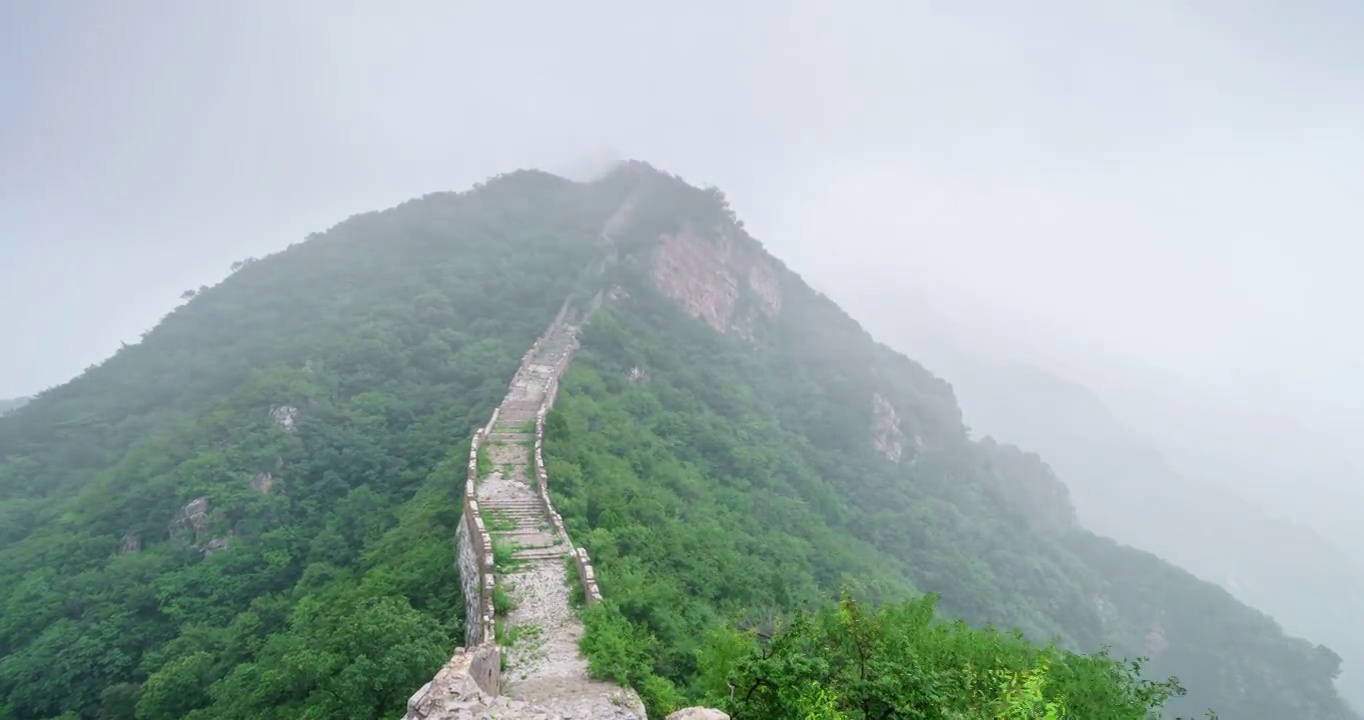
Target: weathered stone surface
470	582
285	416
263	482
708	276
698	713
191	522
461	699
1155	643
131	543
886	435
217	544
191	525
545	677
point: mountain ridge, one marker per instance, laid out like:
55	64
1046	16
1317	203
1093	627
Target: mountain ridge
208	524
708	295
1125	488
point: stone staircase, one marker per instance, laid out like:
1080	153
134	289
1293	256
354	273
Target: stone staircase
508	495
540	634
522	662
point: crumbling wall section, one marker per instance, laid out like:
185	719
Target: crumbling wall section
474	554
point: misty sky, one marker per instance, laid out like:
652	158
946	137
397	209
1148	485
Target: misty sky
1165	181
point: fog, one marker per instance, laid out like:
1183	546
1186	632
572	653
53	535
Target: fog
1151	199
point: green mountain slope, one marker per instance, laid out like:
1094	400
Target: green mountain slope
249	514
223	515
718	472
1126	489
14	404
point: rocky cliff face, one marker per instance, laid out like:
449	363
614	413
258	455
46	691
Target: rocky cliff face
715	279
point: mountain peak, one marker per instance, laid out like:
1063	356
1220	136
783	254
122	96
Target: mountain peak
590	166
725	444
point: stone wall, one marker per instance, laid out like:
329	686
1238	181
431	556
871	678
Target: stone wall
473	543
468	673
535	346
474	554
586	575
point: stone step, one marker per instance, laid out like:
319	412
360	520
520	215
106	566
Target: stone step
513	509
513	419
511	404
523	531
510	432
528	538
511	503
527	505
519	471
550	553
526	523
522	518
517	514
512	512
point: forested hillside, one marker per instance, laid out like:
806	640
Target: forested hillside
720	473
250	513
8	405
1125	488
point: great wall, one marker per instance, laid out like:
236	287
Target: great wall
521	660
514	550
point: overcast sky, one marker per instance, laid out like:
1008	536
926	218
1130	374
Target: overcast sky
1166	181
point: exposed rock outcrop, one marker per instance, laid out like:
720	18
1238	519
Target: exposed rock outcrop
285	416
1155	642
216	544
716	281
455	694
191	527
886	435
698	713
191	522
263	482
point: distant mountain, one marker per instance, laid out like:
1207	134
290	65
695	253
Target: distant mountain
14	404
1124	486
1272	461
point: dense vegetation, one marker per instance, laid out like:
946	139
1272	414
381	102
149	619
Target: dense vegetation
899	661
14	404
249	513
1124	488
393	335
715	478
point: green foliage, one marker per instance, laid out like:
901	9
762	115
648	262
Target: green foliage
739	482
314	411
502	602
504	556
391	337
623	652
899	661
